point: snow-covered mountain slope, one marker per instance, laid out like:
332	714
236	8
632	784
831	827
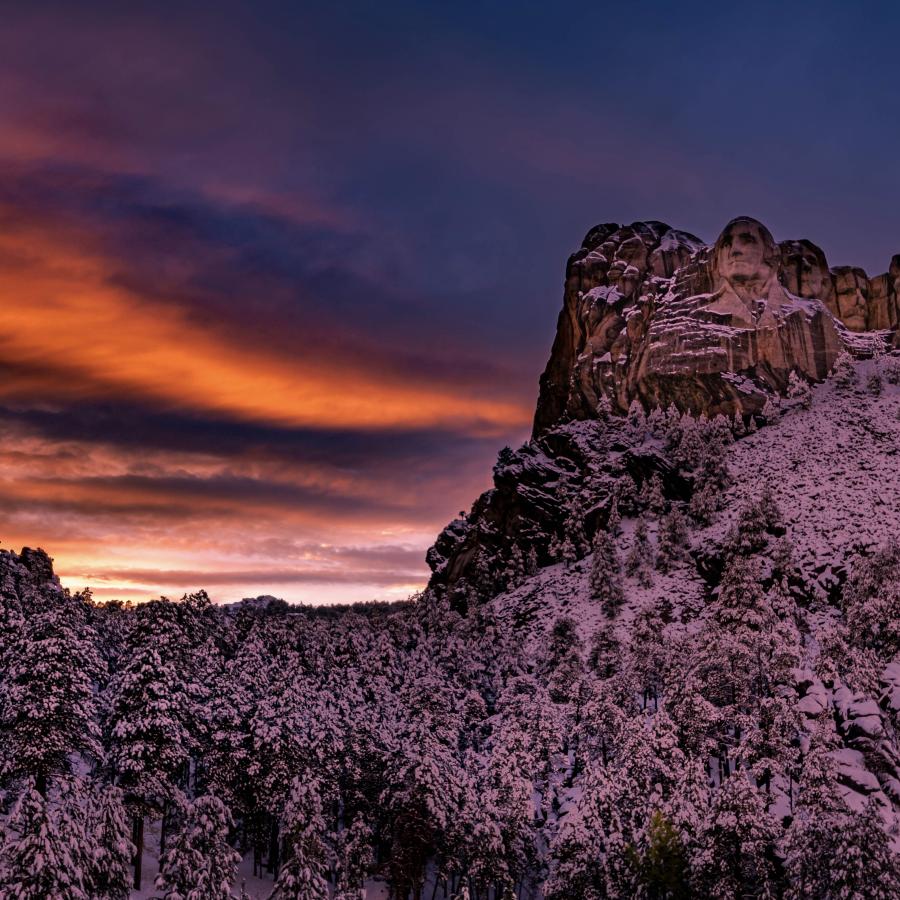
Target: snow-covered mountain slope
804	539
834	470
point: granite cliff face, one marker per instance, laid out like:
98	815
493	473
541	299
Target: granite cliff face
653	314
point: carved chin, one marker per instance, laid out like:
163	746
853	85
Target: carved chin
748	275
740	276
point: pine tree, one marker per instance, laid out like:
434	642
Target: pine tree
625	493
505	458
892	371
736	845
696	718
614	519
672	542
354	858
656	421
149	706
199	863
871	601
573	528
755	520
514	573
705	503
302	876
639	562
652	496
662	869
531	562
771	411
840	853
563	661
566	550
770	746
47	705
865	864
844	372
874	384
43	854
636	420
648	652
606	583
591	851
799	390
605	651
740	600
771	513
109	873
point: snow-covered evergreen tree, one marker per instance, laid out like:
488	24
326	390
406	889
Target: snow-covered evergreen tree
799	390
563	660
531	562
606	582
47	701
303	874
735	855
605	651
673	540
771	410
354	859
514	574
614	519
892	371
109	837
44	852
149	707
640	559
875	384
652	496
636	421
199	863
844	372
604	408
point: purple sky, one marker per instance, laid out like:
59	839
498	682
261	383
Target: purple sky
279	278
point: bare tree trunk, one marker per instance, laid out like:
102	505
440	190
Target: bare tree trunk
162	829
273	847
137	838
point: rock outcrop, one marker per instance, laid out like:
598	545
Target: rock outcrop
653	314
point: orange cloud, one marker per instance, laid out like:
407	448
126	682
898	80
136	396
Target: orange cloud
63	321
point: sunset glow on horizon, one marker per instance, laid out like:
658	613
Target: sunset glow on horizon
278	284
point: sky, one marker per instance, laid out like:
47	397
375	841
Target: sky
277	280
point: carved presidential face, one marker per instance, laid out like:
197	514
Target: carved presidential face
805	270
744	251
812	278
